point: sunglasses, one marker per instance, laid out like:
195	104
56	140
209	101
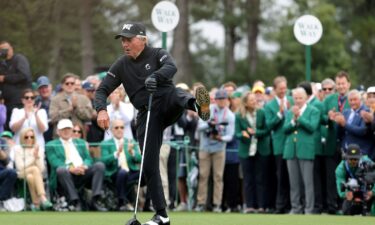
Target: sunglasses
77	131
29	137
119	127
69	83
29	97
327	89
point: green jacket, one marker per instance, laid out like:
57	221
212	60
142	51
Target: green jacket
318	134
262	133
108	149
331	102
300	141
56	157
275	124
342	177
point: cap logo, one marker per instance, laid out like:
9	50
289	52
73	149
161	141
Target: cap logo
147	66
353	151
127	26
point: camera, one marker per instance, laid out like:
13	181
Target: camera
3	53
214	128
362	183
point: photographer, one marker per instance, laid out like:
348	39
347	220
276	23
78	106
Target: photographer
214	135
15	76
352	181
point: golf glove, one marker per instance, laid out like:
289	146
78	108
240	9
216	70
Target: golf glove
151	83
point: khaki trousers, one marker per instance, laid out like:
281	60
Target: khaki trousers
217	162
164	154
34	179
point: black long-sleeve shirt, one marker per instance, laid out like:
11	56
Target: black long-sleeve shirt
132	73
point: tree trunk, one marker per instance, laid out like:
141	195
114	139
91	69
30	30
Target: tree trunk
87	53
180	49
253	20
54	60
230	38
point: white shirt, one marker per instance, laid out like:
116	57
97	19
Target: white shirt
125	112
18	114
74	156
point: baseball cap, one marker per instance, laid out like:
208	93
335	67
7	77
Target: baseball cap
353	152
371	89
64	123
42	81
88	86
7	134
221	94
258	89
183	86
236	94
132	29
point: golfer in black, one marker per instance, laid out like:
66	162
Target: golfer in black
144	70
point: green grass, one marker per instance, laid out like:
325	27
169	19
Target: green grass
117	218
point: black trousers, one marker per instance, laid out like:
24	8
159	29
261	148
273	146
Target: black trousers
231	185
325	183
165	110
282	194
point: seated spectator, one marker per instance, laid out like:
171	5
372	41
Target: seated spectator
30	166
8	176
72	167
346	174
9	144
29	116
121	157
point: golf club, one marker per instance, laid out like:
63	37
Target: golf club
134	220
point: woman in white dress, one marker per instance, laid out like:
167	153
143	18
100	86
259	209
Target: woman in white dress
29	116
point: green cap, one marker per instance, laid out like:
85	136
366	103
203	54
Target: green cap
236	94
6	134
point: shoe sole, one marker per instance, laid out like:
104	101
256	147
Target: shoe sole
203	101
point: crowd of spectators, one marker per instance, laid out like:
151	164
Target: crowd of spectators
265	149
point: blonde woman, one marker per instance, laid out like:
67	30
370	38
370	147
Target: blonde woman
254	153
30	166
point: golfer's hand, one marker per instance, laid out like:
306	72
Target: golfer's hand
103	119
151	84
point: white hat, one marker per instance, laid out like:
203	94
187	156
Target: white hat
371	89
64	123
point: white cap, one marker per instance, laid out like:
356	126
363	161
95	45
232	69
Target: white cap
64	123
371	89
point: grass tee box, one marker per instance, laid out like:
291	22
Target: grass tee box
116	218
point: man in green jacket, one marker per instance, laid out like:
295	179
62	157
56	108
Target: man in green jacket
333	103
355	195
275	112
72	167
121	157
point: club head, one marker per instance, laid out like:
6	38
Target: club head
133	221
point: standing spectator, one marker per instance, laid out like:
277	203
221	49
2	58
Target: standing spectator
121	157
8	176
118	109
73	168
260	95
95	134
29	116
44	100
333	102
276	110
29	160
301	124
15	76
70	105
368	117
254	152
352	128
328	87
3	113
214	134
